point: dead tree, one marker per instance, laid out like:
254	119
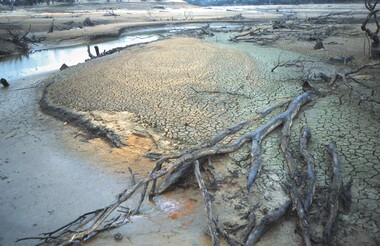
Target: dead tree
347	79
20	40
371	5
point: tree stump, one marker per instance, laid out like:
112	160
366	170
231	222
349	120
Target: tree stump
4	82
318	45
63	67
97	50
88	22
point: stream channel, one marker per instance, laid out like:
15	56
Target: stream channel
48	60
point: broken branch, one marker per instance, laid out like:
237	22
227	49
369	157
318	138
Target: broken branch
334	193
207	201
266	223
310	182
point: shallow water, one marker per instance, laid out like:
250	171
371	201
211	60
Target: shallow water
49	60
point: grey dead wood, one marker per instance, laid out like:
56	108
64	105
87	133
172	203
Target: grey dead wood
112	216
205	144
266	223
294	183
334	191
310	174
207	201
185	162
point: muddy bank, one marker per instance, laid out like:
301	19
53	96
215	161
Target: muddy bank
163	95
49	171
108	19
180	99
56	24
180	91
44	169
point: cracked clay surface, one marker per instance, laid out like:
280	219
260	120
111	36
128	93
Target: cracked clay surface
188	89
193	91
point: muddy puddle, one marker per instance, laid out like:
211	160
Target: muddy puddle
172	218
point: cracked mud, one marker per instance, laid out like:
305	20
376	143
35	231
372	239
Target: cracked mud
184	90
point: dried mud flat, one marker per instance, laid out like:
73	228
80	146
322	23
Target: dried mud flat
173	93
183	90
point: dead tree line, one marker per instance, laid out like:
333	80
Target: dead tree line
290	27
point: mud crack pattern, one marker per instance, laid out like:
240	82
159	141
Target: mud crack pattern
189	89
184	87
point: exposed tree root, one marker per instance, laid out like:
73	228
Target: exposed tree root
346	78
208	143
177	166
310	175
334	192
207	201
294	183
266	223
185	162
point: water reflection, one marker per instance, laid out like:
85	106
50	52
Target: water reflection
42	61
